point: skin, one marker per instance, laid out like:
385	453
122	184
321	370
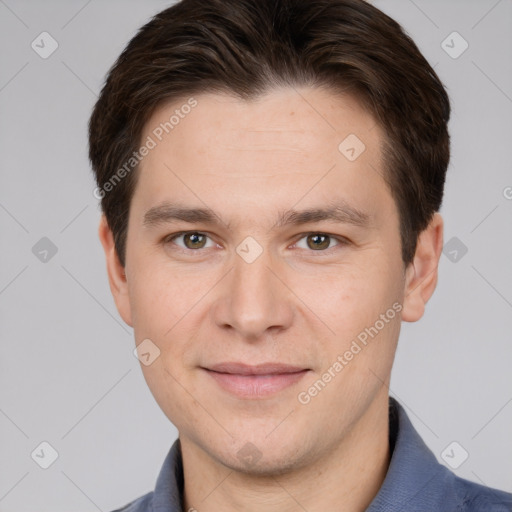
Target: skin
294	304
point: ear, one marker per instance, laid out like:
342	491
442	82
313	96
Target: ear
421	273
116	274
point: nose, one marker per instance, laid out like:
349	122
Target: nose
254	299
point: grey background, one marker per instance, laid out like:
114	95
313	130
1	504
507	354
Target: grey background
67	372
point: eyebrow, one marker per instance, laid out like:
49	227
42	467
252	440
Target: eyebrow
339	211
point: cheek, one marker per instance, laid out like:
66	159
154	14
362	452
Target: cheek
351	303
349	295
167	308
148	304
160	296
164	384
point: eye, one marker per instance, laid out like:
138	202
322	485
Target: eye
192	240
319	241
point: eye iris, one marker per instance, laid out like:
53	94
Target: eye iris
197	240
320	241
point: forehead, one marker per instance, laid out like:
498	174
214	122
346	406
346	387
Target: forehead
286	146
283	119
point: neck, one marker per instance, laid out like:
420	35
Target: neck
346	478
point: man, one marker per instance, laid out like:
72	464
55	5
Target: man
270	174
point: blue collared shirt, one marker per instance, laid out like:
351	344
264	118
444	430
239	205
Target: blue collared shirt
415	481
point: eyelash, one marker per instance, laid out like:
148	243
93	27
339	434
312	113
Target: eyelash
341	241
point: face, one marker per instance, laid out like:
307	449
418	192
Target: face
261	282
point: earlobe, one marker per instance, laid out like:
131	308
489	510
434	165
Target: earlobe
116	272
422	272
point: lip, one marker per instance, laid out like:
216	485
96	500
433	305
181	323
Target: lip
258	381
259	369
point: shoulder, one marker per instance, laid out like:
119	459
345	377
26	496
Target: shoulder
142	504
475	497
417	481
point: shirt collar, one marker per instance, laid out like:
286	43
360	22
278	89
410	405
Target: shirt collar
415	481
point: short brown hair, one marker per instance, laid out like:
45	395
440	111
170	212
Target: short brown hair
246	47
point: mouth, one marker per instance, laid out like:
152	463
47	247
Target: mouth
260	381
